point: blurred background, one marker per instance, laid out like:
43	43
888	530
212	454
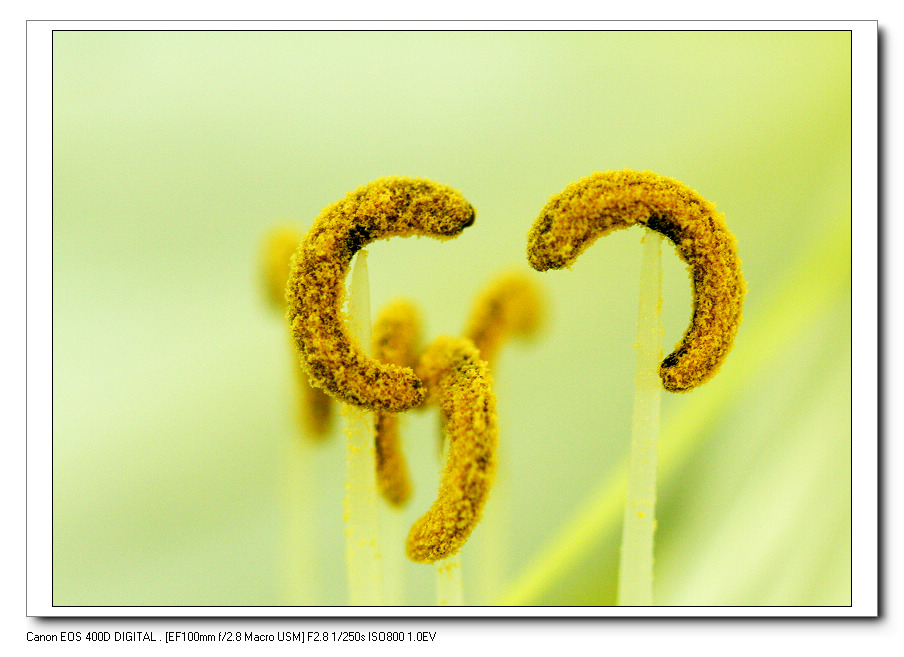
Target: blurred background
181	475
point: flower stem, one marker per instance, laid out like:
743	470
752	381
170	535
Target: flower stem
362	531
393	528
635	585
301	497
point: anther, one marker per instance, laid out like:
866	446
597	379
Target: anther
602	202
509	306
459	380
387	207
396	340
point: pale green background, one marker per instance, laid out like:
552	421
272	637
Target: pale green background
173	411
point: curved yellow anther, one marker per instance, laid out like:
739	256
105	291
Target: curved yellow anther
602	202
510	305
396	340
460	381
385	208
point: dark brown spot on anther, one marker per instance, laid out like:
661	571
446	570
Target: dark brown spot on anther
670	361
673	358
666	227
358	236
472	216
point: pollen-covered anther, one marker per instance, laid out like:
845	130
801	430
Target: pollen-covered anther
602	202
459	379
395	339
510	305
387	207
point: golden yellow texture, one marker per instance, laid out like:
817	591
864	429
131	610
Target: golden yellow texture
459	380
396	339
602	202
510	305
316	411
279	245
387	207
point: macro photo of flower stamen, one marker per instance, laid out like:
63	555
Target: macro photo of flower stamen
407	319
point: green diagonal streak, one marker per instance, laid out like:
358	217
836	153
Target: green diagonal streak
810	288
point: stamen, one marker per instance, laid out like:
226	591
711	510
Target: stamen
459	380
385	208
602	202
396	340
509	305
